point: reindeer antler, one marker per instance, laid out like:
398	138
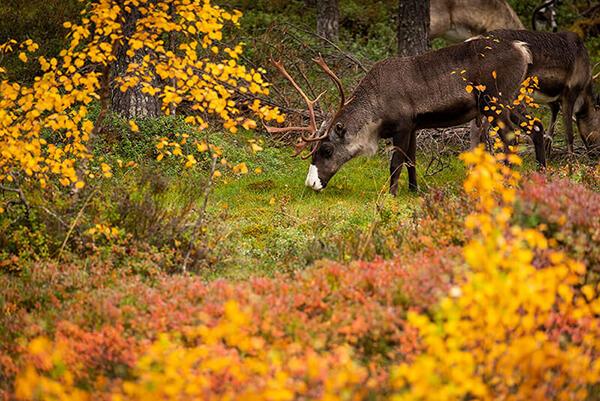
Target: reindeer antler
321	63
312	127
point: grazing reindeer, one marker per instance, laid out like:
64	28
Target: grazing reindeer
562	65
397	96
544	16
458	20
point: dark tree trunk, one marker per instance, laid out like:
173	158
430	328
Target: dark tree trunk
413	27
133	103
328	19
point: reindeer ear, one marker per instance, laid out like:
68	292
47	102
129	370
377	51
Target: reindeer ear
340	130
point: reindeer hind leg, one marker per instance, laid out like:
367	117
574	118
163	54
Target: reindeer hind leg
549	136
411	165
567	114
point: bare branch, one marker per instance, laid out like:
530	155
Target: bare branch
350	57
62	248
200	219
18	190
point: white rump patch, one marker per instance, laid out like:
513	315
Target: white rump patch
523	48
312	180
457	33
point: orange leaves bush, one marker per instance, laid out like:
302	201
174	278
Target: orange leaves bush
566	212
229	361
489	338
504	317
107	325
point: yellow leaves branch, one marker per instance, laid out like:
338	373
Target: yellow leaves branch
487	340
58	99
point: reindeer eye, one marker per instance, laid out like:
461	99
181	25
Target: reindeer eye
326	151
340	129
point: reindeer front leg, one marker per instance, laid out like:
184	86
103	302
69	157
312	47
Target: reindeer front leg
536	133
400	144
479	132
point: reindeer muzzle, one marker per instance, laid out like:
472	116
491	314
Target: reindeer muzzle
312	180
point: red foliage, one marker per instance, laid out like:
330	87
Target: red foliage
570	213
106	322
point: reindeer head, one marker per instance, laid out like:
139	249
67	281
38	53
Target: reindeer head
589	128
544	17
588	118
341	136
351	132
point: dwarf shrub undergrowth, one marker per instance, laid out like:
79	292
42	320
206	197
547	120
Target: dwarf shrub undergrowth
503	315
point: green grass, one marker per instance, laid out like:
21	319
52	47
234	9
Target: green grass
269	222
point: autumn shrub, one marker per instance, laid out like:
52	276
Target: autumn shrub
502	315
567	212
586	172
438	221
516	329
102	320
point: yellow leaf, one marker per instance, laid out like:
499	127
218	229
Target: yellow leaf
134	126
23	57
469	88
241	168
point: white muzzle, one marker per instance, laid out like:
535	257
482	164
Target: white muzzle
312	180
